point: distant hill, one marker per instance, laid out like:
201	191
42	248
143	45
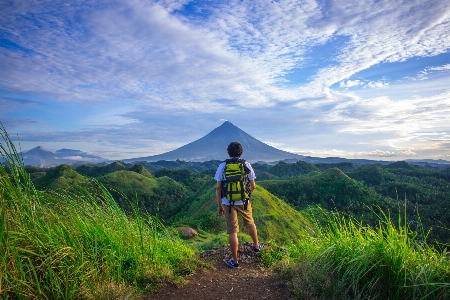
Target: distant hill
62	177
331	189
213	146
430	162
163	197
94	171
39	156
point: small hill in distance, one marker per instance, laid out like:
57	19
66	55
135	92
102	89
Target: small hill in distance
39	156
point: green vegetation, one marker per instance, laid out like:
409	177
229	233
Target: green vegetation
361	188
162	197
192	180
62	178
94	171
276	220
347	260
67	245
332	190
285	170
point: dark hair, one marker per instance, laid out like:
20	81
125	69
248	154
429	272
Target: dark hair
235	149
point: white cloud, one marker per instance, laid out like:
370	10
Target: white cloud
377	84
440	68
374	154
408	153
350	83
424	74
383	114
274	144
365	84
379	153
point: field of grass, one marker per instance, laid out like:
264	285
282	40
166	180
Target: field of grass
77	245
346	260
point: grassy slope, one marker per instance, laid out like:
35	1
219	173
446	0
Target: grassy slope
275	219
157	196
346	260
78	245
331	189
61	177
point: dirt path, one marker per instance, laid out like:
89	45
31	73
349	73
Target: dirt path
250	281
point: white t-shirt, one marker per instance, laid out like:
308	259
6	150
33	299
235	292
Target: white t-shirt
220	177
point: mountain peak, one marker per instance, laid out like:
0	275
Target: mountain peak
39	149
227	123
213	146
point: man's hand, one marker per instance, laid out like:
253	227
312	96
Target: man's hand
220	210
219	198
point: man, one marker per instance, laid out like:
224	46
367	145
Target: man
232	210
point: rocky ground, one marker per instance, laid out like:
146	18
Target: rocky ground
250	281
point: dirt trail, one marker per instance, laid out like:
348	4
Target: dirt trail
250	281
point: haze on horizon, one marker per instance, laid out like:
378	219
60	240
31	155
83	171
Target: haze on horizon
126	79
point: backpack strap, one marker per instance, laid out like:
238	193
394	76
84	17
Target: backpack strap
231	198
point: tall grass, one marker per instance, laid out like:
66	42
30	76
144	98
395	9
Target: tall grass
347	260
65	246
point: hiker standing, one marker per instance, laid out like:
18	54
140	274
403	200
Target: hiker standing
235	183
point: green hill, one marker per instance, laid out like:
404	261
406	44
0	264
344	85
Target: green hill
331	189
425	191
62	177
192	180
95	171
162	196
274	218
140	170
283	170
157	196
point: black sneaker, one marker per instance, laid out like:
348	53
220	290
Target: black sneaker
231	264
257	249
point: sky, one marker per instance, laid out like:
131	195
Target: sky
126	79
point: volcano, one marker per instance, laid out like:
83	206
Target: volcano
213	146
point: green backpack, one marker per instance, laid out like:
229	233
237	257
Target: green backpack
236	184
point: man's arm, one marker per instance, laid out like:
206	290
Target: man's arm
219	198
252	186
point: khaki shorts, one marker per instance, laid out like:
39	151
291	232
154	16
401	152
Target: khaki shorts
232	218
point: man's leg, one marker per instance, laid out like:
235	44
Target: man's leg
233	239
254	234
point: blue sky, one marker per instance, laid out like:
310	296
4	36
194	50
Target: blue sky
125	79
